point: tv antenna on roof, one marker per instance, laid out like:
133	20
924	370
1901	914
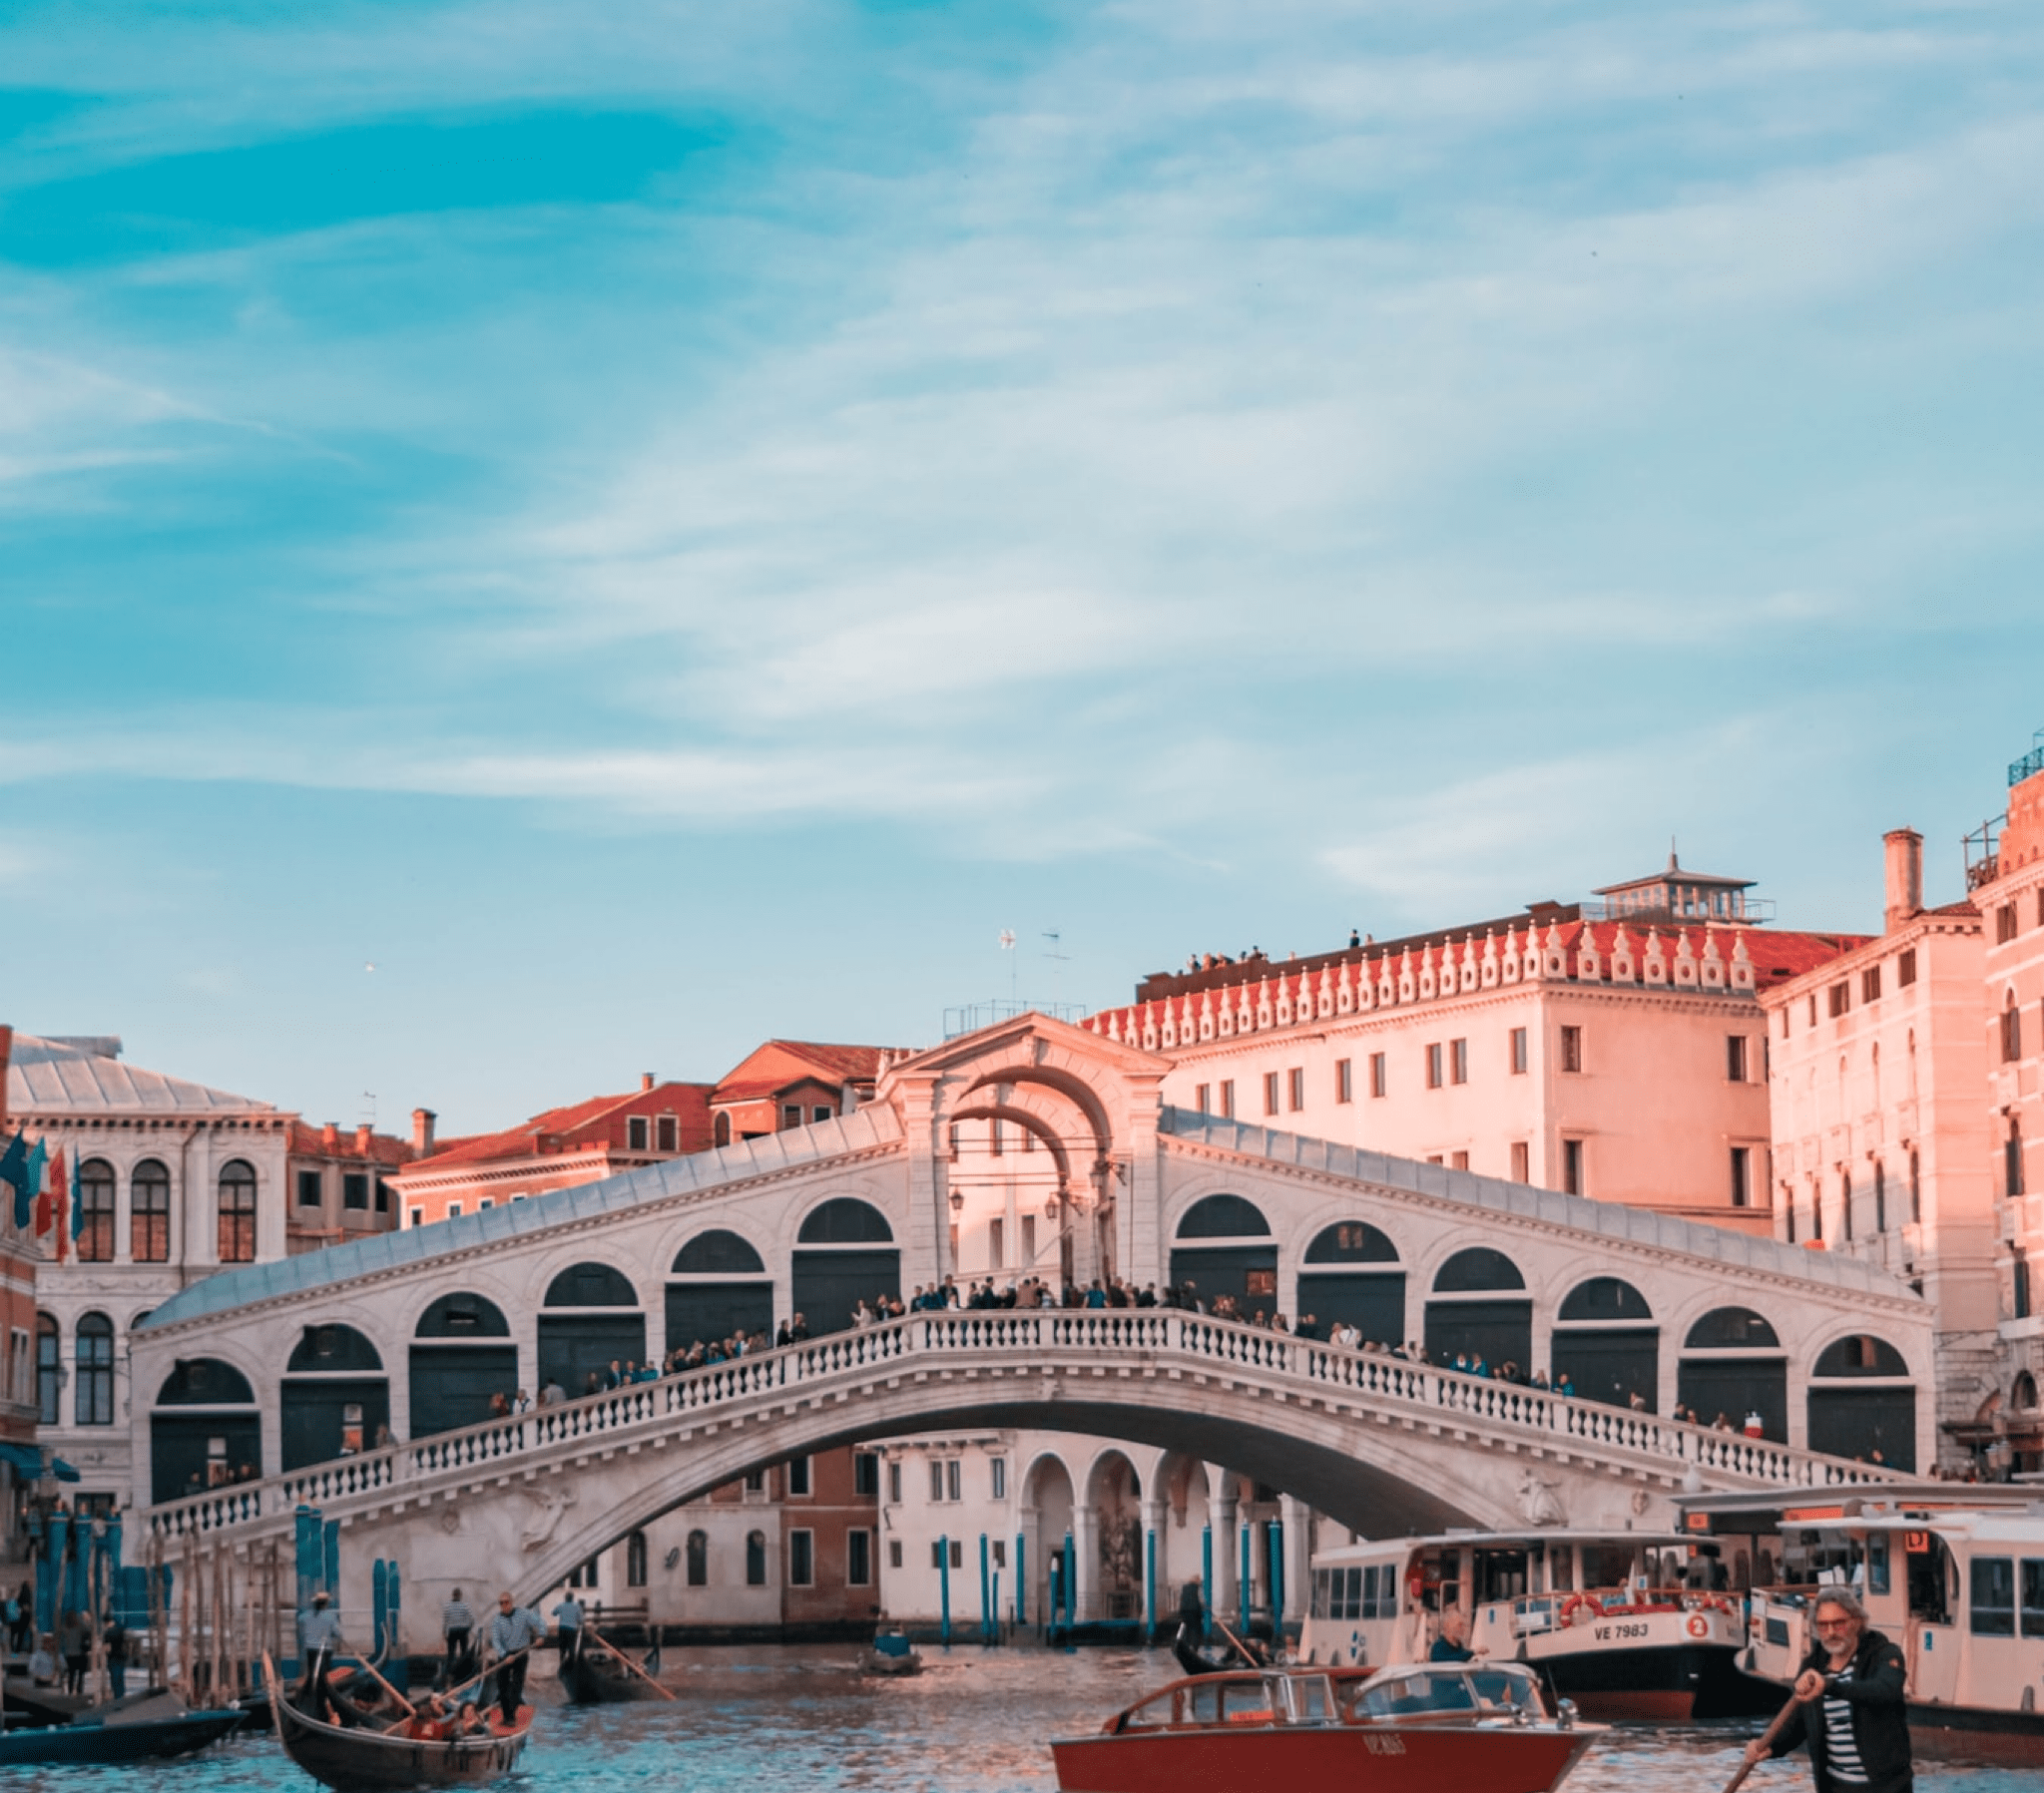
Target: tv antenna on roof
1008	947
1056	959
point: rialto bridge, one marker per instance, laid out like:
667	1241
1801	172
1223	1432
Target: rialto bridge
291	1368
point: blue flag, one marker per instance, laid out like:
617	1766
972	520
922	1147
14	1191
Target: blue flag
30	1186
14	1170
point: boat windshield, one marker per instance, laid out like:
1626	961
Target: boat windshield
1503	1688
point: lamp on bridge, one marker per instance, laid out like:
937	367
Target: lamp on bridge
957	1202
1050	1208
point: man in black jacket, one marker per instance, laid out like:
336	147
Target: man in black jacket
1850	1704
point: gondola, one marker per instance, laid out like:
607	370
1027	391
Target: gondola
138	1733
595	1675
365	1761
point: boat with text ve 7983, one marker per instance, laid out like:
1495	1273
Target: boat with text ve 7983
1424	1728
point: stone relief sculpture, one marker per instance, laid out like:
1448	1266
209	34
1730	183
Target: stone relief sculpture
549	1504
1539	1502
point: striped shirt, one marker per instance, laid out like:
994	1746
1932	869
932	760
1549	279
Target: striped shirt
455	1616
1841	1748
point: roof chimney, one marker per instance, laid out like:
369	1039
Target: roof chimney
329	1135
364	1134
1905	877
645	1081
423	1132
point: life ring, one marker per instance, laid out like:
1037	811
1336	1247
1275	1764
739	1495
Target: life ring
1576	1602
1698	1625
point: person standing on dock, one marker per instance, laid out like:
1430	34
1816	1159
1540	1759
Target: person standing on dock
457	1636
319	1638
568	1616
1850	1704
514	1630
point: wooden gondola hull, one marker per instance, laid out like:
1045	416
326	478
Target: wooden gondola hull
591	1678
86	1744
363	1761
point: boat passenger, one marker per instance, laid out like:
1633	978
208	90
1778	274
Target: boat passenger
1452	1645
428	1722
1851	1708
470	1722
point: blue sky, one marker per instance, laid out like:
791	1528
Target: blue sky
662	530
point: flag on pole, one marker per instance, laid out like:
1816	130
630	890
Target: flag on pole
49	1204
60	1189
14	1170
30	1186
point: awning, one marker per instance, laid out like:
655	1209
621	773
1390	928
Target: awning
26	1461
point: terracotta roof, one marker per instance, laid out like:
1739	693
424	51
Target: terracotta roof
578	1127
777	1064
382	1149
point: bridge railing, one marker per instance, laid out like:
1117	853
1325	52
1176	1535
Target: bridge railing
1010	1338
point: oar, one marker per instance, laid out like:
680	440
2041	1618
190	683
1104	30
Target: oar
1241	1648
410	1710
1766	1737
663	1692
487	1672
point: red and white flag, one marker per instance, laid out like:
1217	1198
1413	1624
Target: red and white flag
52	1204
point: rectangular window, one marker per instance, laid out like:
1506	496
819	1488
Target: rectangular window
1000	1554
894	1483
997	1471
1522	1163
312	1188
2012	1162
951	1479
484	1205
1839	998
2033	1596
797	1476
790	1113
1734	1057
893	1552
1379	1074
993	1137
1269	1092
1905	967
1458	1061
1518	1052
936	1479
418	1217
1344	1080
383	1196
1201	1094
1227	1098
755	1482
354	1191
1994	1596
994	1243
1870	983
865	1476
801	1558
1572	1049
936	1553
1572	1166
149	1222
858	1558
2019	1289
635	1132
1812	1008
958	1554
2004	923
454	1210
820	1113
668	1134
2012	1034
1433	1066
1028	1230
1742	1176
1458	1160
1296	1093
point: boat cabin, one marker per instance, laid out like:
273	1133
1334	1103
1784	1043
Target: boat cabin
1504	1691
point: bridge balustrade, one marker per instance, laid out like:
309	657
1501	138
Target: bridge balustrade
1053	1337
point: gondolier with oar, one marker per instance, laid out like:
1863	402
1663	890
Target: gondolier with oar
513	1631
1848	1705
319	1638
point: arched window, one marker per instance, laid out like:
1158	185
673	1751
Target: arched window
699	1559
94	1219
1480	1268
1733	1366
2011	1029
635	1559
1860	1355
95	1365
1846	1206
1730	1329
1915	1190
237	1212
148	1214
49	1370
846	1221
1860	1405
205	1382
1605	1299
2023	1396
463	1316
720	1130
718	1253
1224	1217
2012	1161
591	1285
1880	1198
755	1558
332	1349
1351	1242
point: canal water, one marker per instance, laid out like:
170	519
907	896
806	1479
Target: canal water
790	1719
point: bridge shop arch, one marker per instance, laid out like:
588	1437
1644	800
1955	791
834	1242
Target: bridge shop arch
1476	1311
1732	1365
1606	1341
718	1288
1862	1404
1351	1273
335	1398
845	1254
462	1355
1224	1247
588	1320
205	1430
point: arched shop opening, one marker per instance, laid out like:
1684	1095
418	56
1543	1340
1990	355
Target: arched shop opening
845	1254
718	1289
1476	1312
590	1320
1224	1248
1606	1341
336	1398
1352	1272
462	1355
1732	1364
1862	1404
205	1431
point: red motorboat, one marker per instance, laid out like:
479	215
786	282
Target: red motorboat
1426	1727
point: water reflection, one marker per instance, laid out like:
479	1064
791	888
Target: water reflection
796	1719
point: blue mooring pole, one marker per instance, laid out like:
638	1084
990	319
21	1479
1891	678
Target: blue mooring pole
1149	1586
1021	1580
986	1596
1245	1588
945	1588
1071	1583
1274	1535
1206	1581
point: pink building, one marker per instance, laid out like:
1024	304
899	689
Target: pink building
1615	1049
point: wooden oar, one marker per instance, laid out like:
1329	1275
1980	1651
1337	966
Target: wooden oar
1241	1648
1767	1738
410	1710
470	1682
663	1692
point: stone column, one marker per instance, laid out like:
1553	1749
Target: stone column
1223	1601
1298	1522
1086	1562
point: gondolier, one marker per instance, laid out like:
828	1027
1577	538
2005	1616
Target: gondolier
1851	1706
319	1638
515	1629
457	1634
568	1617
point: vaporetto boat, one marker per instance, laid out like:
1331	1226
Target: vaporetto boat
1628	1624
